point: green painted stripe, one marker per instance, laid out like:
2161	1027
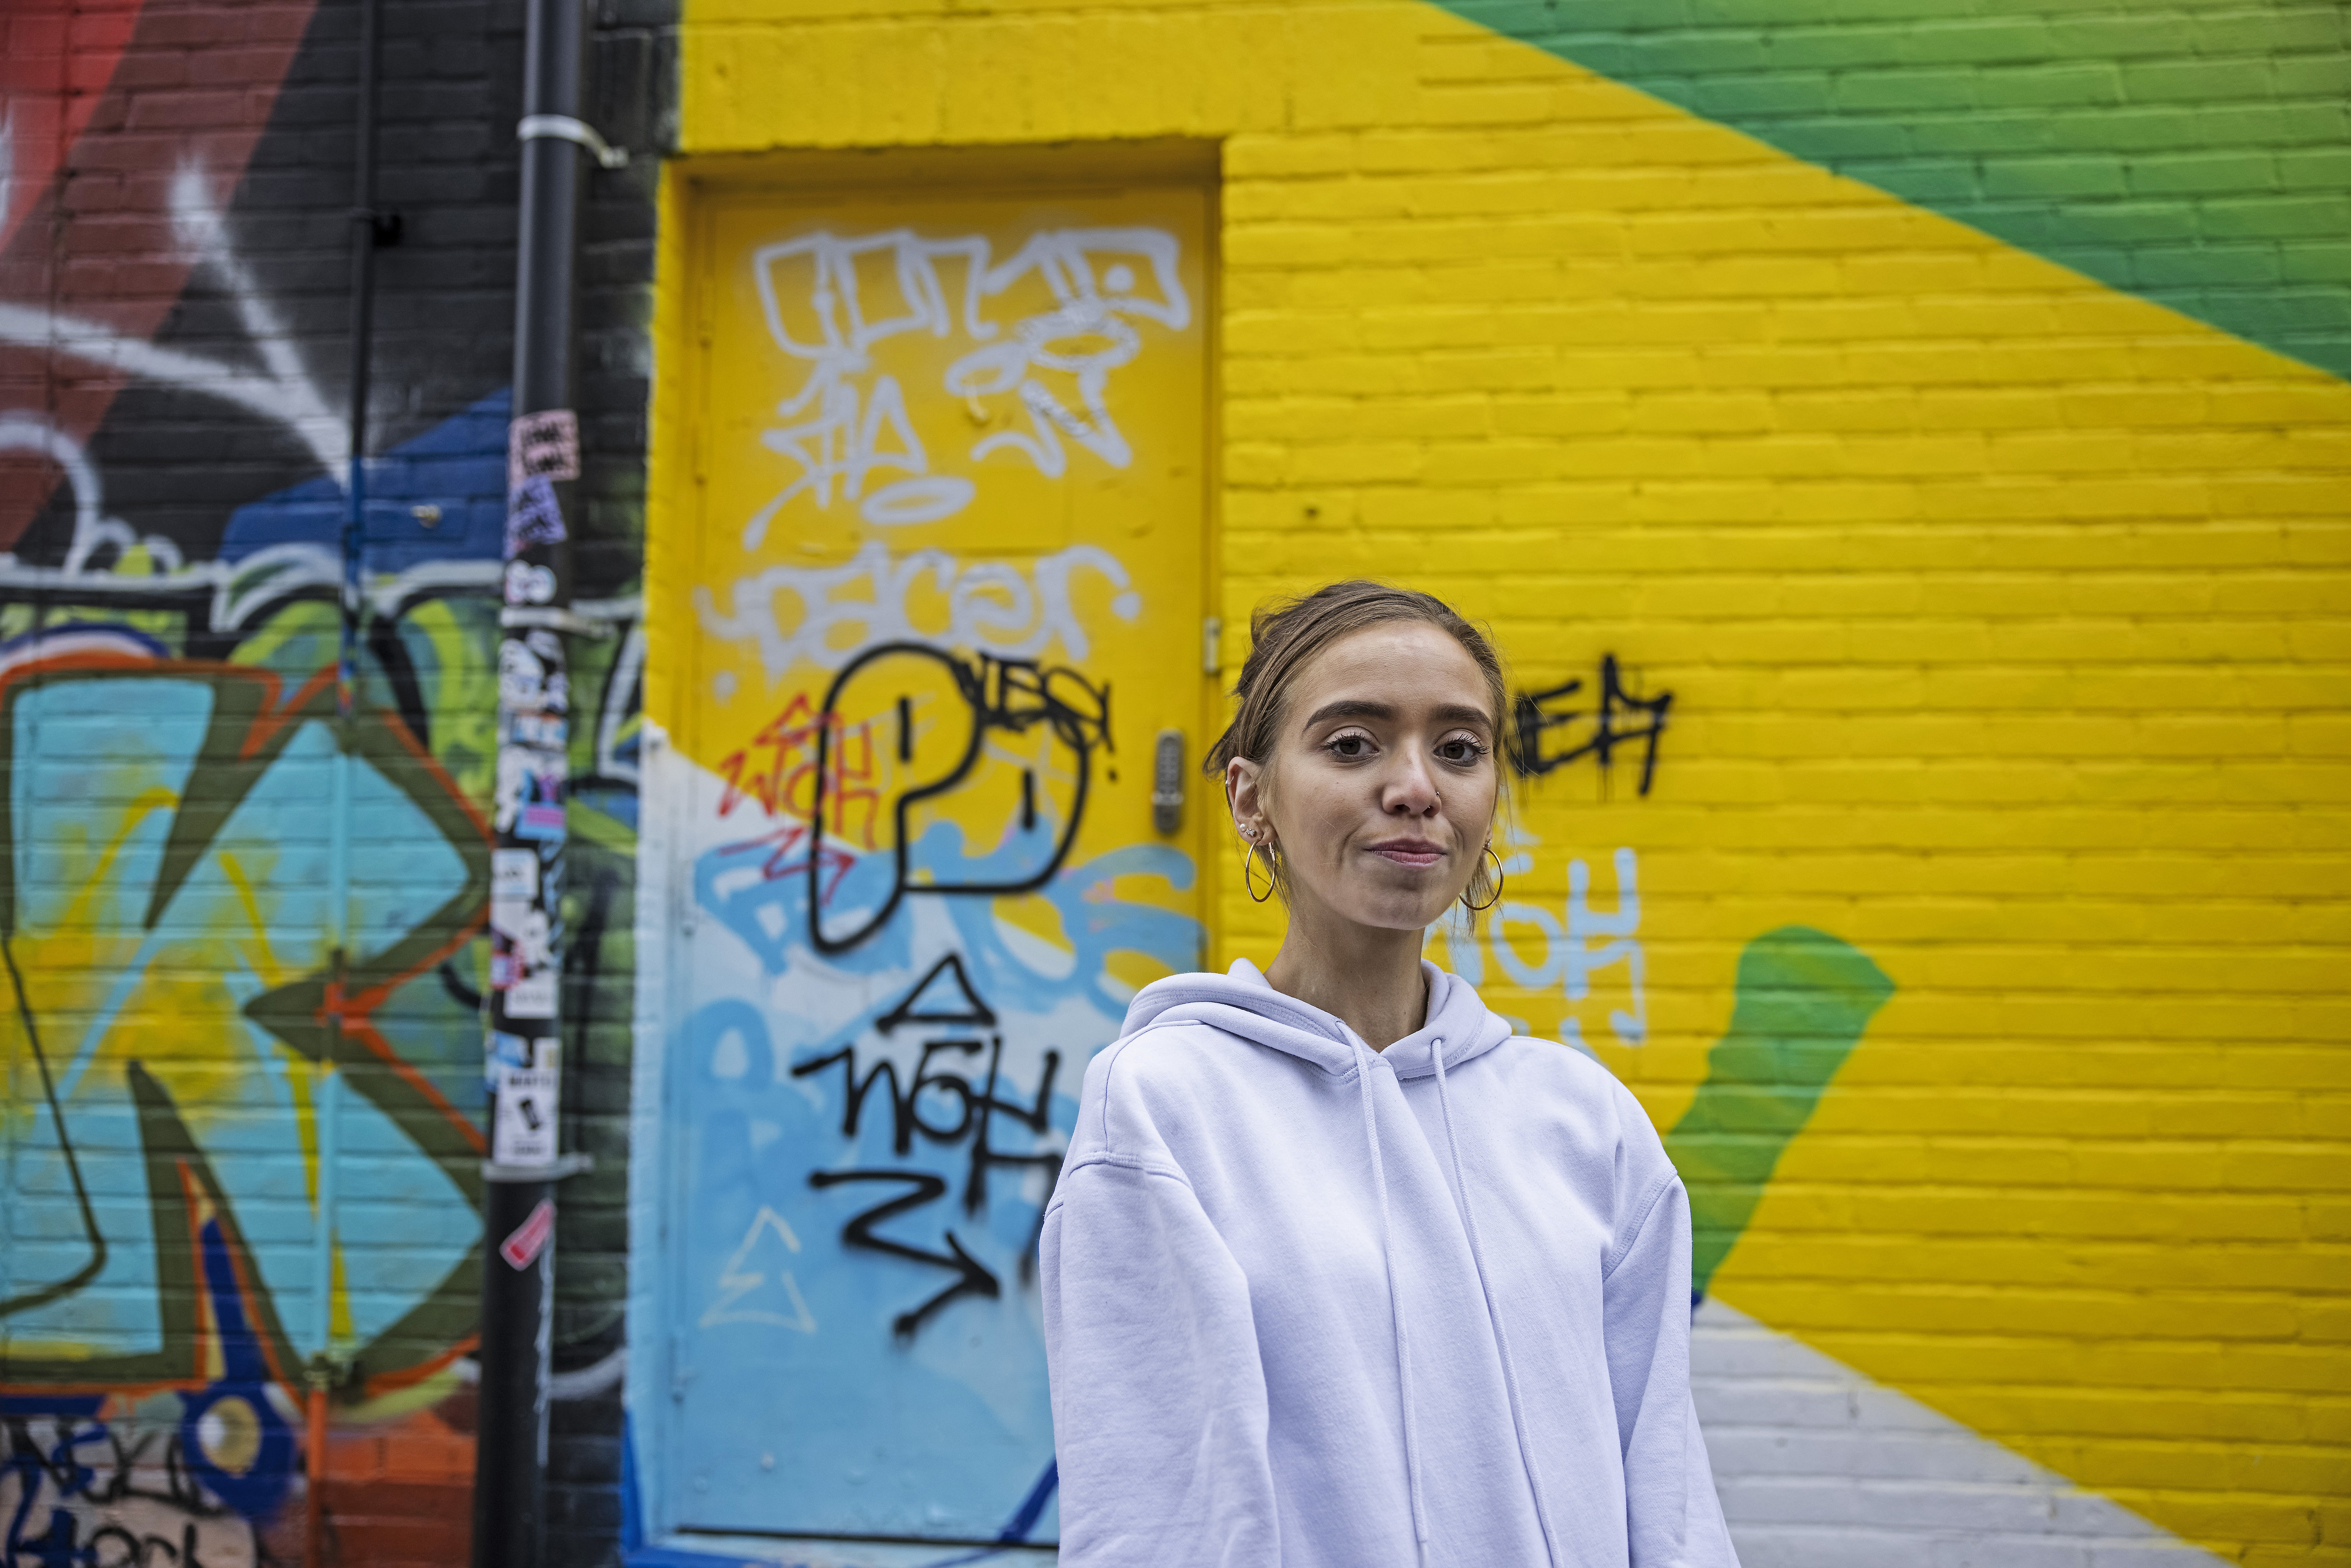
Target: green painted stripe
2197	154
1804	998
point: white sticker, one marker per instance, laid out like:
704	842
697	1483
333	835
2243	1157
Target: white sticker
533	996
513	874
528	584
523	1133
542	729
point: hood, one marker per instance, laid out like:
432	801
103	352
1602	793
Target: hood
1241	1002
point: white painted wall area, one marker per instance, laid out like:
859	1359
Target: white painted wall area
1821	1467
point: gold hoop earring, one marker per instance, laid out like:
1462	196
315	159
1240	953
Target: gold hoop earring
1248	863
1499	881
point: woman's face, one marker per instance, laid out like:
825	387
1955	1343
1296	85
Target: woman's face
1380	788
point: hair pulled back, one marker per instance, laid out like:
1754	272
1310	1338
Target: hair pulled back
1286	635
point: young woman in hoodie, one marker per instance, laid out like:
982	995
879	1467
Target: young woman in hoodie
1340	1274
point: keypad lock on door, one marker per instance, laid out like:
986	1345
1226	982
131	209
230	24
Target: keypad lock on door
1168	781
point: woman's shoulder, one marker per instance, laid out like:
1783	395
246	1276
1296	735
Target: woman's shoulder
1168	1053
1565	1069
1553	1081
1142	1088
1178	1074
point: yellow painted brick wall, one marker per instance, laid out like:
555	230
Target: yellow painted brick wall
2003	616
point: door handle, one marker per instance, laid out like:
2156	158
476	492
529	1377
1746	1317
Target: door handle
1168	781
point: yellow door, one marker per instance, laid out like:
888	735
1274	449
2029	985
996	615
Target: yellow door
928	621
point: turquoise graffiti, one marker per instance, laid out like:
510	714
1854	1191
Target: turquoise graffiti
178	970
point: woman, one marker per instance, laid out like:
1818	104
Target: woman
1339	1273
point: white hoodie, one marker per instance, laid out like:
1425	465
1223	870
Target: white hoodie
1311	1305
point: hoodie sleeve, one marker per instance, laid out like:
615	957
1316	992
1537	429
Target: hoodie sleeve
1673	1518
1159	1404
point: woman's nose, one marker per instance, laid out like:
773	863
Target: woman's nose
1411	791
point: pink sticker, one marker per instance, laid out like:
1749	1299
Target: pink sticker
529	1238
543	443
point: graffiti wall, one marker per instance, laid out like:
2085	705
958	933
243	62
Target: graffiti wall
241	899
1901	452
926	821
1902	456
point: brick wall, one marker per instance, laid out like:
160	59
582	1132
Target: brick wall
1945	412
174	356
1991	552
2196	154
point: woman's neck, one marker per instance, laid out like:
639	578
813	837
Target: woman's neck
1367	976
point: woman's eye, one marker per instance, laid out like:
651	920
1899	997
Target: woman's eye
1349	745
1460	750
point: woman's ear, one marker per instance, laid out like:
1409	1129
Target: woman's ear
1244	794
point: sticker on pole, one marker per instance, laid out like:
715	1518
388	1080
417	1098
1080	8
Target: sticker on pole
522	1249
532	995
543	444
523	1133
513	874
533	516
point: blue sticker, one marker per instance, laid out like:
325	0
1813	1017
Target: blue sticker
532	516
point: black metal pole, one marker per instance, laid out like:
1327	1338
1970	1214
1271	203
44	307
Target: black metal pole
522	1002
366	233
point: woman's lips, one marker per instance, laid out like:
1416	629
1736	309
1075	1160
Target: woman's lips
1409	852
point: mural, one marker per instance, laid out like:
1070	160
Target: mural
242	920
225	1008
948	561
1946	411
914	894
2188	165
1903	457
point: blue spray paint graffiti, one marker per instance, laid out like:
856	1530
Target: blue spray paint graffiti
186	1478
876	1134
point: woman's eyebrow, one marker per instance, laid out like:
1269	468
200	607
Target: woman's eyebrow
1358	707
1349	707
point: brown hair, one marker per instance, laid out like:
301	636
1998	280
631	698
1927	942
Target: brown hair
1286	635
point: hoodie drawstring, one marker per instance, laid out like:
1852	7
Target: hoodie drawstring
1395	1309
1493	1314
